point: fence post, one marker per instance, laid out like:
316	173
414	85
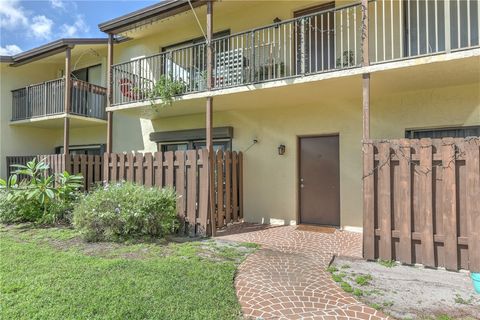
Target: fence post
368	201
384	201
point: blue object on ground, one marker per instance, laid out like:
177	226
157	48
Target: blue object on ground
476	281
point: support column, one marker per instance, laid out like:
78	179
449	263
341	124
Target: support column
209	106
365	76
109	93
67	102
367	148
209	119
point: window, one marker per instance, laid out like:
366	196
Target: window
456	132
191	139
191	145
93	150
92	74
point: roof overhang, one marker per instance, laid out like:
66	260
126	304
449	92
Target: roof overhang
52	48
6	59
147	15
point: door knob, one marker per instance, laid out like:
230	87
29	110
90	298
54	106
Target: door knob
301	186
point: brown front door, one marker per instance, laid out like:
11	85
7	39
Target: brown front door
319	180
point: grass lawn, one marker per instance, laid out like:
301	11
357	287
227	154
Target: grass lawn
52	274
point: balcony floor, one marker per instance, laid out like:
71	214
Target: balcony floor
56	121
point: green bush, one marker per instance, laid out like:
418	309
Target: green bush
39	198
122	211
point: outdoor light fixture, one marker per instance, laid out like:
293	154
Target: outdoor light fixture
281	149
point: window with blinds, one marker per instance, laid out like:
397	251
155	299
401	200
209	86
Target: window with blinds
438	133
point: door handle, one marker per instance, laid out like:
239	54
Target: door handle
302	185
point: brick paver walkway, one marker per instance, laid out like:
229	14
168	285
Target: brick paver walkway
286	278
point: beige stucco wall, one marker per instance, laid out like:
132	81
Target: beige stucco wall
270	185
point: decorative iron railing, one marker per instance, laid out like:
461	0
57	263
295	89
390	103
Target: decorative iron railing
48	98
325	41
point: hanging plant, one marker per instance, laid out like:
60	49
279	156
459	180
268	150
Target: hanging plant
164	89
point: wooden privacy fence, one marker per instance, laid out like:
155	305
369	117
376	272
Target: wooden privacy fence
189	173
422	202
89	166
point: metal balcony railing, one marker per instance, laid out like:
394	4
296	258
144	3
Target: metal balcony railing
325	41
48	98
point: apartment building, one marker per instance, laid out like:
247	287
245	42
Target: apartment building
295	85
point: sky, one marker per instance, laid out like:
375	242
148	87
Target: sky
28	24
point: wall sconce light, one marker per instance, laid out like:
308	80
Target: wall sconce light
281	149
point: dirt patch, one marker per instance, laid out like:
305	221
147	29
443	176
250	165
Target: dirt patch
67	239
407	292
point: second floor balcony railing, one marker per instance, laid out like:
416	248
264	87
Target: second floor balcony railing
325	41
48	98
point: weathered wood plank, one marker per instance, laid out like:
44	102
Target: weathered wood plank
426	202
235	185
131	167
148	169
220	193
180	187
121	166
203	201
138	166
240	186
106	167
191	191
158	166
169	167
473	202
368	201
90	172
449	203
405	204
228	187
384	201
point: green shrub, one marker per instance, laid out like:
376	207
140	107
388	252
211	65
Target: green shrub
123	211
18	209
40	198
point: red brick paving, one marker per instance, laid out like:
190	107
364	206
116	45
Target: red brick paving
286	278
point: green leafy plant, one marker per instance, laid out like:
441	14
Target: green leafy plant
387	263
346	287
165	88
40	197
118	212
45	188
363	280
357	292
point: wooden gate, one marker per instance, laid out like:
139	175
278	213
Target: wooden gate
422	202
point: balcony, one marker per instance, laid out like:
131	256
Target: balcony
326	41
48	99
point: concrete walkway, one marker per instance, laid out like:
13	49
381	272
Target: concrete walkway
287	277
